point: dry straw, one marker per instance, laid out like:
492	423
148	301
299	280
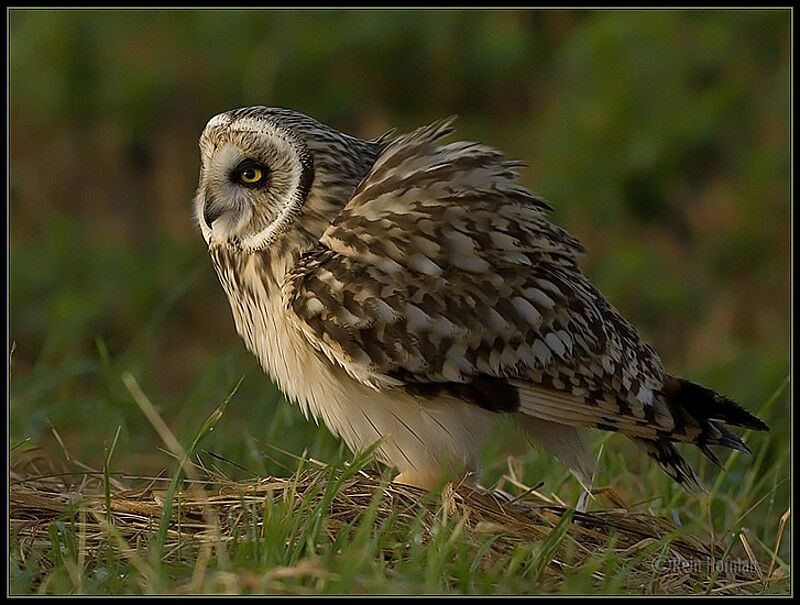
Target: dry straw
42	490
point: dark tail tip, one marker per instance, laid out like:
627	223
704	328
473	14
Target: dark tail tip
705	404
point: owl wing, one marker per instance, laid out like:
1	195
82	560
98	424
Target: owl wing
443	273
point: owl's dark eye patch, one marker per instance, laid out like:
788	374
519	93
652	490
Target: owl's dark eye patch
250	173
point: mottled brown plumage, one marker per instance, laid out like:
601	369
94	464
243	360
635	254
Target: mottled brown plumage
422	274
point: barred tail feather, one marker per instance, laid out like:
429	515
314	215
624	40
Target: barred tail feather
710	412
669	459
697	415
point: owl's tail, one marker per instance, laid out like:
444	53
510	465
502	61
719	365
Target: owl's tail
703	414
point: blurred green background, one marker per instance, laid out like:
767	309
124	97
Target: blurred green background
661	139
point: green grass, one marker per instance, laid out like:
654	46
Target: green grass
286	547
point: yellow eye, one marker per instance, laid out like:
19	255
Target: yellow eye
251	175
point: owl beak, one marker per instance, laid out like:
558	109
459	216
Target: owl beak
211	212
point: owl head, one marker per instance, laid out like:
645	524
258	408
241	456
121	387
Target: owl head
267	172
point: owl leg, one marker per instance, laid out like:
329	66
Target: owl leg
563	441
583	501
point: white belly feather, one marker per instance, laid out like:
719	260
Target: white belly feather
422	436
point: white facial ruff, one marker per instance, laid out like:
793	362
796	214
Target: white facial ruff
285	160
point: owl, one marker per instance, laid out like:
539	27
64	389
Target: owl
409	292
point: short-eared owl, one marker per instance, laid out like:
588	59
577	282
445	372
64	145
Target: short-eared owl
407	289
